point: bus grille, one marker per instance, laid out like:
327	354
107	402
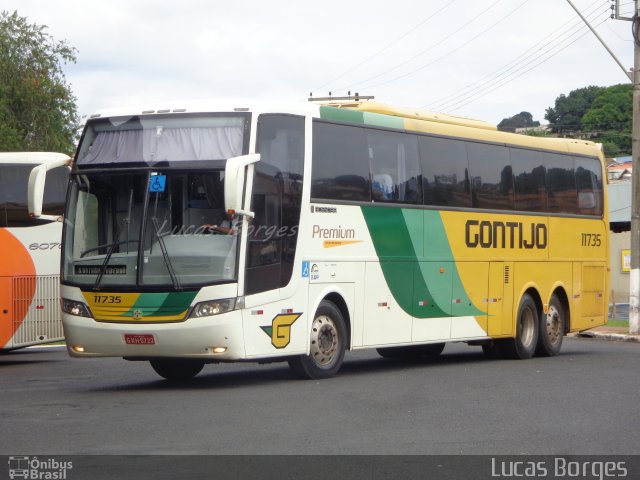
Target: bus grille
42	315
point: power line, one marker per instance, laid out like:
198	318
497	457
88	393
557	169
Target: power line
449	53
387	46
456	105
422	52
505	69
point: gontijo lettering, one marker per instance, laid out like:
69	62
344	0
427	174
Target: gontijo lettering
488	234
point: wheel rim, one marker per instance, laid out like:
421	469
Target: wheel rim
324	341
553	324
527	326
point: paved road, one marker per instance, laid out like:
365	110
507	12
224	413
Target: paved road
583	402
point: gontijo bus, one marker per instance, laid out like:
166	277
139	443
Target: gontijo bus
30	261
212	233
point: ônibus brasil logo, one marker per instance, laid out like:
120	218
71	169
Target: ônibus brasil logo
38	469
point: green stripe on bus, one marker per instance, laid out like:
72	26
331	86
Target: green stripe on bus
397	239
162	304
367	118
341	115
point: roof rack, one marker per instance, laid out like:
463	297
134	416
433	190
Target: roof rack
357	97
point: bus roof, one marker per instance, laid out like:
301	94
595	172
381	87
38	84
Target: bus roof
32	158
368	112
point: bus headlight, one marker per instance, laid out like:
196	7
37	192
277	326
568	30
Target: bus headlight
213	307
73	307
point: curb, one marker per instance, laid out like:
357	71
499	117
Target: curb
615	337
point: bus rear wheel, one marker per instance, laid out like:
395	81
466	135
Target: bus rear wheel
552	325
177	369
527	328
328	344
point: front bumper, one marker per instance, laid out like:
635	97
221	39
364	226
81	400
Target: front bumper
192	338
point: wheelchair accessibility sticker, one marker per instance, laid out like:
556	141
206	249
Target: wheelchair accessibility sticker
157	183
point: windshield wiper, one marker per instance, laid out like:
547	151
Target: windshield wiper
103	267
165	255
116	241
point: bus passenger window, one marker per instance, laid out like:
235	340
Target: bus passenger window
445	172
561	184
340	164
529	179
491	176
589	186
395	167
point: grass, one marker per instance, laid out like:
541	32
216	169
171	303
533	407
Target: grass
613	322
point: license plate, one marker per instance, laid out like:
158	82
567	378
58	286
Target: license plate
139	339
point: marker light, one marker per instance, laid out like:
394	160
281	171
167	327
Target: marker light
75	308
213	307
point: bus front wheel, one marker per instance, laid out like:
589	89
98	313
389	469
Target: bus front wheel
177	369
328	344
527	328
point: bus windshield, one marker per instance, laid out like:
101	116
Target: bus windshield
146	202
157	228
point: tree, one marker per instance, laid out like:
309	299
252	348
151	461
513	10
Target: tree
37	108
611	117
520	120
566	115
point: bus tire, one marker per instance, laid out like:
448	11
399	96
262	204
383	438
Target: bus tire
328	343
552	325
177	369
411	351
523	346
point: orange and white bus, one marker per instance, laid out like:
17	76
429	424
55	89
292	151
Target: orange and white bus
353	225
30	266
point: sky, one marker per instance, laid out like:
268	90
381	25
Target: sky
485	59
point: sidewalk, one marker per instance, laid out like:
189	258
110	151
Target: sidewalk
618	334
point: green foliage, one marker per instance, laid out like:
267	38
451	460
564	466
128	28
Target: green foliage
566	115
602	114
37	108
520	120
611	117
539	133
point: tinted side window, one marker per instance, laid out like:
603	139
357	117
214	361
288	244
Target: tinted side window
529	180
340	164
13	195
589	185
395	167
561	184
445	172
276	201
55	191
491	176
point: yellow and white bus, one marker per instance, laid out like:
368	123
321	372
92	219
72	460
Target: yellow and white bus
30	267
211	233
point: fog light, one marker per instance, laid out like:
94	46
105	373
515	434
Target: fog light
78	348
219	349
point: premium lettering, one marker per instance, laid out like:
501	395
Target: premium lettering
333	233
487	234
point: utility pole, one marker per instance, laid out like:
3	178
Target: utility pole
634	277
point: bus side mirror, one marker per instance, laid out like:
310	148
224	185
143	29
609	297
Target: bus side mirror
35	192
234	183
